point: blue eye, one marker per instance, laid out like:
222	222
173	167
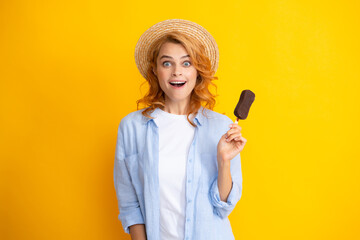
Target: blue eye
165	64
187	63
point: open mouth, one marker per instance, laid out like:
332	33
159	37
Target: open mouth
177	84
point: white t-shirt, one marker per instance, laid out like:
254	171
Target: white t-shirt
175	137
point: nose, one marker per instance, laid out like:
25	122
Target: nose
176	71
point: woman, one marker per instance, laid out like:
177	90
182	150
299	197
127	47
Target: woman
177	167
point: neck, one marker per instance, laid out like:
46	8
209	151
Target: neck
179	108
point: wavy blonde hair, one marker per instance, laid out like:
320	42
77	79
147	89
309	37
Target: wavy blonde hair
200	96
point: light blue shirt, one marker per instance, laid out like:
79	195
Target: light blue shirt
137	183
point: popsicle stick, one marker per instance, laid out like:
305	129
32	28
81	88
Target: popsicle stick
236	121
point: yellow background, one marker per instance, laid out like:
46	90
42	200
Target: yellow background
68	76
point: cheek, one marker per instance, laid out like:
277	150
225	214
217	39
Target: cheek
192	79
161	83
193	75
162	77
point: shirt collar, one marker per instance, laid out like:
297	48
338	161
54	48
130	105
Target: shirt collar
198	120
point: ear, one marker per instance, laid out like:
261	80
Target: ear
154	71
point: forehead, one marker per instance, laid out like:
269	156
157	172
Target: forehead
170	48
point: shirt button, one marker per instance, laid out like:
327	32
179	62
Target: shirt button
188	220
190	160
189	201
189	181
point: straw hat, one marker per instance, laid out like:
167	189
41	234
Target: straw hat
160	29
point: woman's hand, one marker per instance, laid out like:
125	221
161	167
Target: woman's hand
230	144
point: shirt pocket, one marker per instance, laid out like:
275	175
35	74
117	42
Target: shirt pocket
209	171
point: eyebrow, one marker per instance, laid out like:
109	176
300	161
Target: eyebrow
166	56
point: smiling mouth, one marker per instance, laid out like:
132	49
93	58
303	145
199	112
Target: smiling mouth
177	84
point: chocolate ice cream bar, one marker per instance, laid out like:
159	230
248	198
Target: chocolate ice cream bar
241	111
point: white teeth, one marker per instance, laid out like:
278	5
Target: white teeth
177	82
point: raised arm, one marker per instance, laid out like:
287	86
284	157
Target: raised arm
226	189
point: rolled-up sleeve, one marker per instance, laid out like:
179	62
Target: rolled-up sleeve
221	208
128	203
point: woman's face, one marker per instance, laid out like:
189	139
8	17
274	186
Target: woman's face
175	72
